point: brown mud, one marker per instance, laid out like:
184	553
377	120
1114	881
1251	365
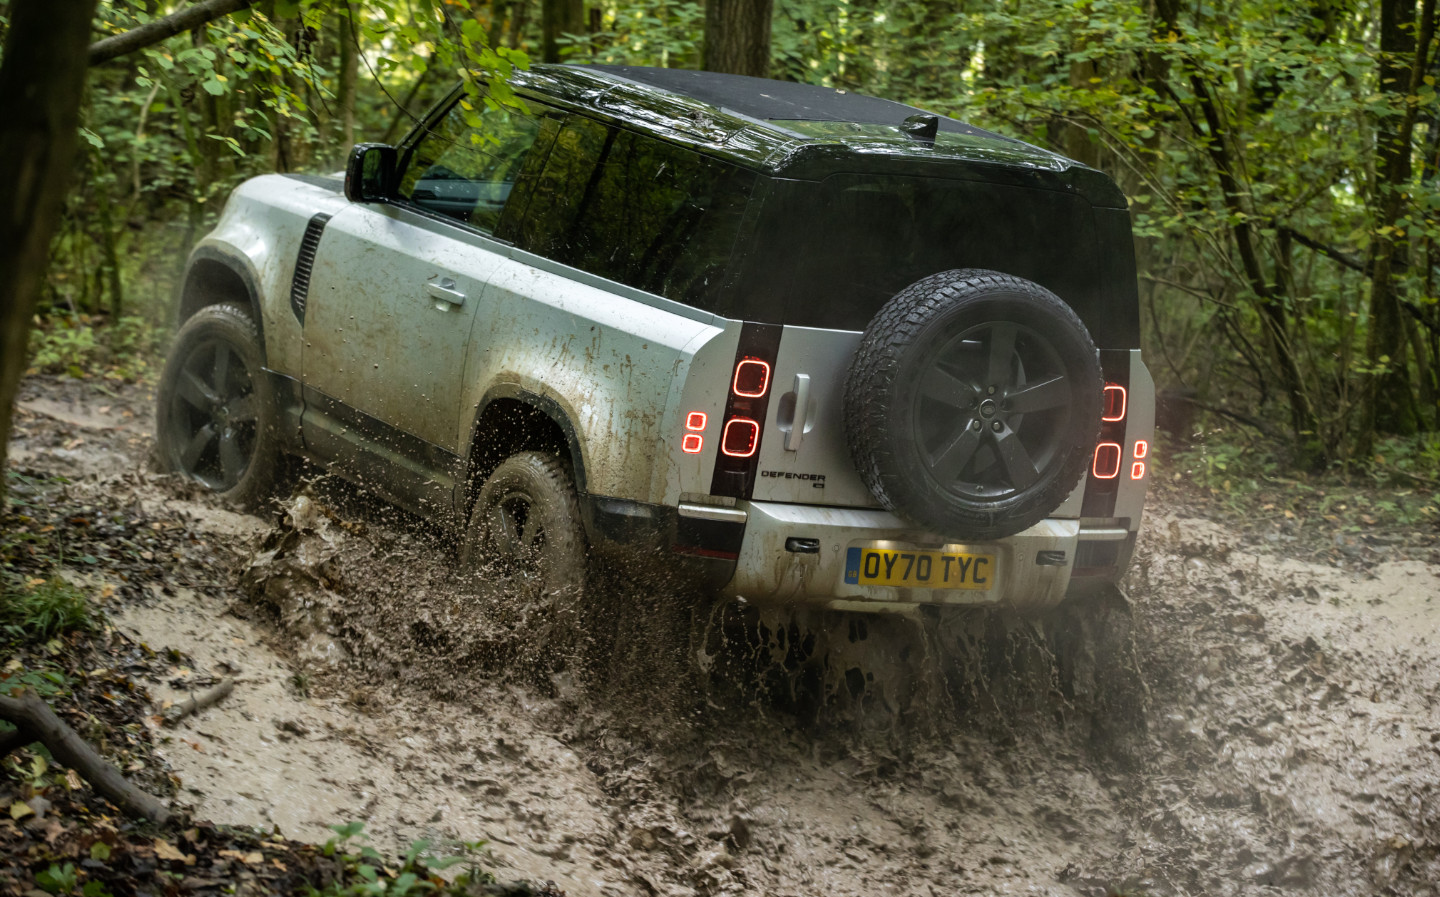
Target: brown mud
1277	730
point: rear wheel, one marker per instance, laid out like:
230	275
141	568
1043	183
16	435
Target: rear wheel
525	532
216	413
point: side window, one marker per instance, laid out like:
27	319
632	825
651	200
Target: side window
637	210
468	170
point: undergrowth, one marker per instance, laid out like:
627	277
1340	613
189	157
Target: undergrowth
369	873
82	346
40	609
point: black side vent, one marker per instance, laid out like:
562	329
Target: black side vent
300	286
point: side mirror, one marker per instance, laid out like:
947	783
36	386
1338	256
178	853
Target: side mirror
370	172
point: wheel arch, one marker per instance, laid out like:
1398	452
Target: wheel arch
512	419
215	275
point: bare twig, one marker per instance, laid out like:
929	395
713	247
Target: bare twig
196	703
34	720
1245	419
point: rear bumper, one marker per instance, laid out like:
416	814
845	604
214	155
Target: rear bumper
767	570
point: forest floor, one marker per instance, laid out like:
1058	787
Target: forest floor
1283	736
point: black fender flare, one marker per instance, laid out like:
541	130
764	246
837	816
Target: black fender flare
239	265
545	405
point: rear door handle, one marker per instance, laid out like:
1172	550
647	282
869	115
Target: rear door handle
444	291
802	409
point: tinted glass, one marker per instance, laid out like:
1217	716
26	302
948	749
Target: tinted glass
637	210
831	253
467	164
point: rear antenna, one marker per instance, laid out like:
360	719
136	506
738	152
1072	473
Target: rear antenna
922	127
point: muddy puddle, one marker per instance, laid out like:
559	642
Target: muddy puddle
1279	734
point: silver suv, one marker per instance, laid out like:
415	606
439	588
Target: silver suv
794	344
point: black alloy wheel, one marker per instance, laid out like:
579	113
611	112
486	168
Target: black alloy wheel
991	411
215	412
213	416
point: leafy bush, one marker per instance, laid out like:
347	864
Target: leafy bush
79	345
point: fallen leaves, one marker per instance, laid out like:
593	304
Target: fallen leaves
167	851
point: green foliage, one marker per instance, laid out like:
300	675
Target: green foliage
81	346
65	880
650	32
41	610
368	873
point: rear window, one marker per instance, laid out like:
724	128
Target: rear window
637	210
830	253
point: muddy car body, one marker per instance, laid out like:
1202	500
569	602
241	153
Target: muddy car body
663	280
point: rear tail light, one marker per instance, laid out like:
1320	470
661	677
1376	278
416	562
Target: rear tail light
1114	403
1117	453
1109	453
692	442
1107	461
737	462
752	378
741	438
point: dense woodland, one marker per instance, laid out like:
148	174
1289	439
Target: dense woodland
1280	158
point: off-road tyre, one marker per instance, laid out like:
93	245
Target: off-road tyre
525	534
907	423
216	421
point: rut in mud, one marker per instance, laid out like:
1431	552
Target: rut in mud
1278	729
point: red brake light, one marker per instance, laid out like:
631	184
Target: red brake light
1137	470
1114	403
696	421
741	437
692	443
752	378
1107	461
1142	448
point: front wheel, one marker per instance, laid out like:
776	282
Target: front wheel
525	531
215	416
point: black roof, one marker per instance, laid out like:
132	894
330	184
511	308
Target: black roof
801	130
775	101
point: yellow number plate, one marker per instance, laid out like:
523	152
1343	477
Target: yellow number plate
919	569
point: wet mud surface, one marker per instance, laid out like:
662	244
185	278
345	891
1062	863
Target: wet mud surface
1276	731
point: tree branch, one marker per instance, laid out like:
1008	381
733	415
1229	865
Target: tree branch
1325	249
187	19
34	719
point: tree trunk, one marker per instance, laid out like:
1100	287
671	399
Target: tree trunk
559	17
737	36
349	76
42	77
1391	399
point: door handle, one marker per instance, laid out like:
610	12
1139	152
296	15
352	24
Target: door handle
802	409
444	290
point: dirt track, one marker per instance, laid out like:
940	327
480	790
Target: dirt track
1286	738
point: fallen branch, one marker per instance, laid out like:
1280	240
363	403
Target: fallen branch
35	721
196	703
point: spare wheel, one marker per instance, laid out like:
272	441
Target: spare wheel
973	403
